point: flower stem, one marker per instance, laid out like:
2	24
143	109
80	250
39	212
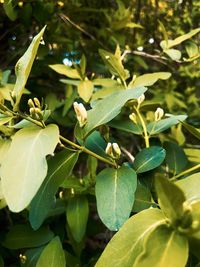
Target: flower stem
174	178
146	137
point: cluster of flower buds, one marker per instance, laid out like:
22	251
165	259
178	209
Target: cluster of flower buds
159	113
140	99
133	117
81	113
35	109
113	150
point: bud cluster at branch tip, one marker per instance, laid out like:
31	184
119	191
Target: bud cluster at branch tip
159	113
140	99
113	150
35	109
133	117
81	113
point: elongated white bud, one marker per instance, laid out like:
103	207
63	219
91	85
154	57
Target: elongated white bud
132	117
81	113
141	99
113	150
159	113
116	150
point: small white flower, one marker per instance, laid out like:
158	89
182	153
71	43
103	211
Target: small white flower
159	113
132	117
81	113
141	99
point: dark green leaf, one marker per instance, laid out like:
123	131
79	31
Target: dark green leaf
32	256
162	125
9	9
194	131
23	236
126	126
148	159
175	157
96	143
59	168
115	190
77	216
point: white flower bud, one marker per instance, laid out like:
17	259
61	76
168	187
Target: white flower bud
141	99
108	149
132	117
81	113
159	113
116	150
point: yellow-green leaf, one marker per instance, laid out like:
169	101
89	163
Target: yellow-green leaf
85	89
65	70
27	156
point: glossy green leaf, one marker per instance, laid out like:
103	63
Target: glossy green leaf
115	190
174	54
175	157
192	154
106	109
27	156
59	168
53	255
65	70
126	126
162	125
150	78
126	245
143	198
23	236
192	49
96	143
8	6
163	247
170	198
194	131
114	64
24	65
190	186
148	159
85	89
77	215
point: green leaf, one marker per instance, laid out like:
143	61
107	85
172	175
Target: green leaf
163	247
182	38
65	70
162	125
170	198
126	126
150	78
190	186
1	261
59	168
24	65
53	255
96	143
9	9
106	109
77	215
114	64
32	256
126	245
194	131
85	89
27	156
192	49
143	198
22	236
175	157
115	190
148	159
174	54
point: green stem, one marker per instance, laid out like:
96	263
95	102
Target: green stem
84	149
196	167
146	137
